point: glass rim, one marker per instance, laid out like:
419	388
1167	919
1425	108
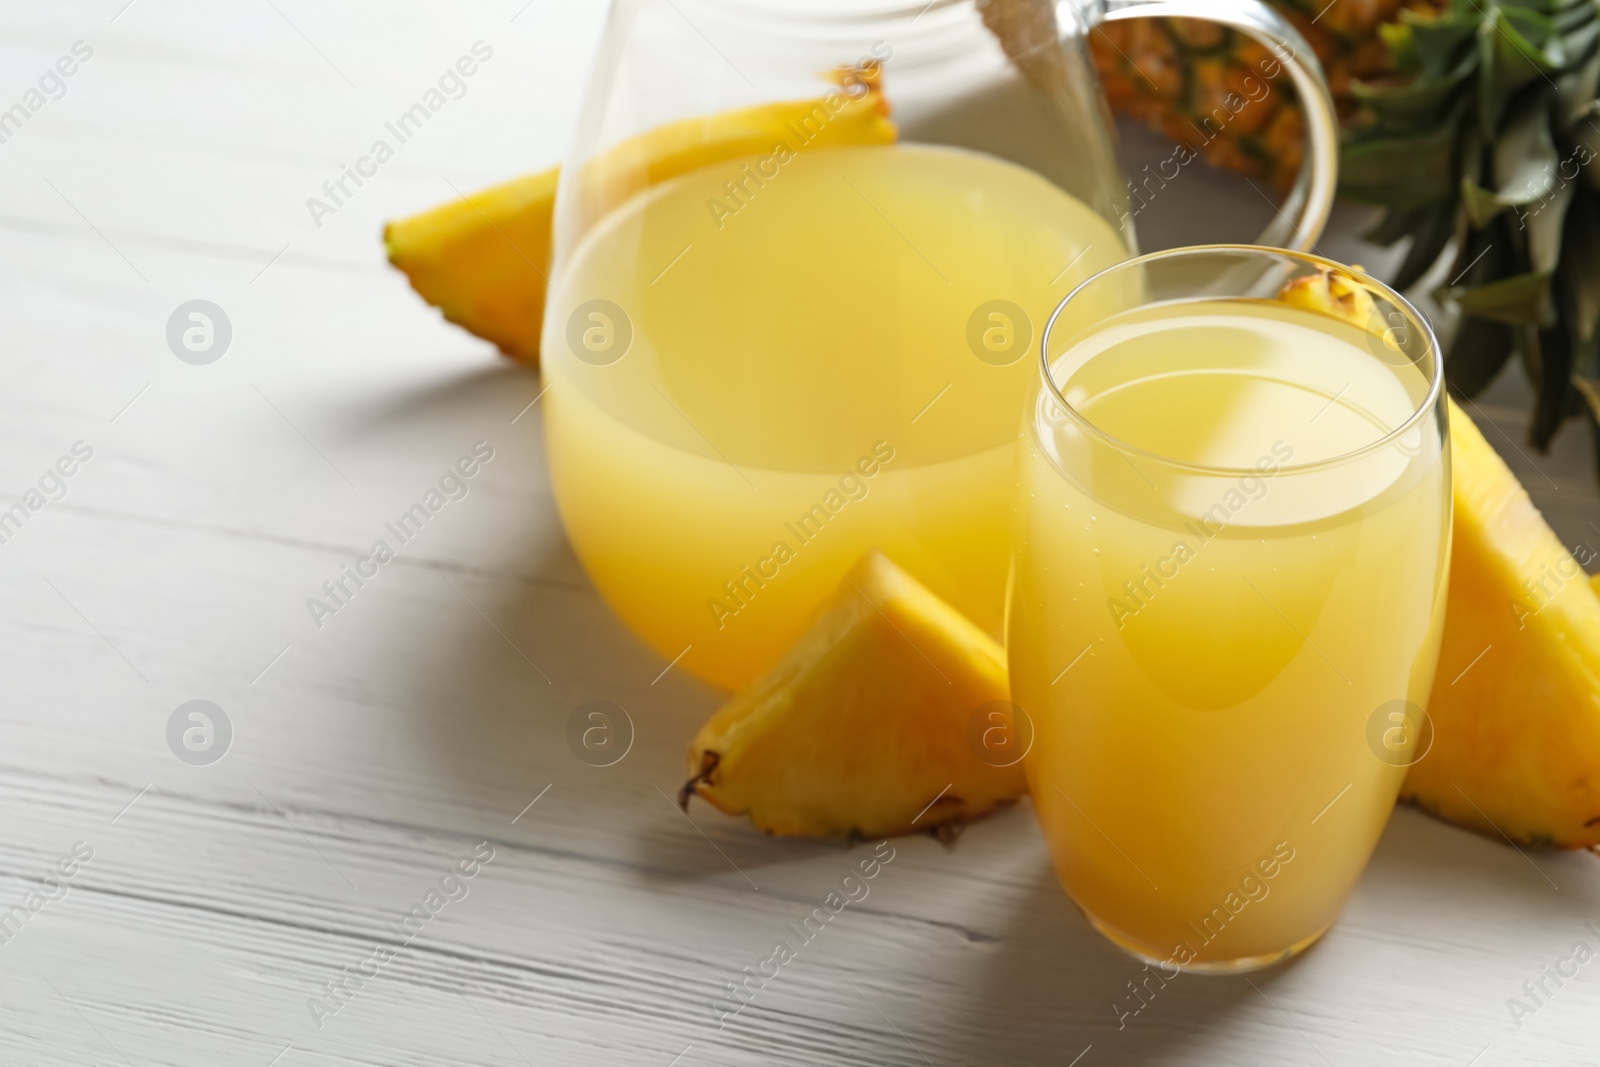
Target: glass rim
1415	317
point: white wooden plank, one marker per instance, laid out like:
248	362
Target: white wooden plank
240	915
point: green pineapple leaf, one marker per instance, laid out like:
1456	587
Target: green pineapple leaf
1580	271
1476	354
1495	118
1510	62
1423	101
1521	300
1430	45
1524	159
1429	236
1395	224
1401	171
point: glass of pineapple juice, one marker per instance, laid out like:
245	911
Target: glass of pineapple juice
1232	543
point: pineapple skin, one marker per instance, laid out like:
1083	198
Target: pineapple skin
1516	702
1174	74
482	261
864	727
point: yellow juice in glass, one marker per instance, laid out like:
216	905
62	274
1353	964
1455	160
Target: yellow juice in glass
814	366
1203	640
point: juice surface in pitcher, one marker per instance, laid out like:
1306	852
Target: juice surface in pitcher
817	366
1202	674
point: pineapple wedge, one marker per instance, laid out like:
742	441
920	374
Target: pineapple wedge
1331	292
483	261
1516	701
1516	698
874	723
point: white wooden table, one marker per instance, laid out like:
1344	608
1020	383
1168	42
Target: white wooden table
428	716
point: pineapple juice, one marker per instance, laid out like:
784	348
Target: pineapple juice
1203	654
818	359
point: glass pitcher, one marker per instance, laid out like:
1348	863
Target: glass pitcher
802	251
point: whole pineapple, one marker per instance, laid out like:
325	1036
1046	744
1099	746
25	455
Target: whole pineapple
1474	123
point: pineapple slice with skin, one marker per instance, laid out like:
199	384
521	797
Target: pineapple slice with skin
889	716
1516	702
1331	292
1515	705
483	261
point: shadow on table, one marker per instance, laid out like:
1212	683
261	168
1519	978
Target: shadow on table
492	698
1485	876
1052	988
501	658
470	395
498	637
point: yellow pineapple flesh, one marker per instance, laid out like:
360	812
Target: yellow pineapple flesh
482	260
881	720
1516	702
1515	705
1335	293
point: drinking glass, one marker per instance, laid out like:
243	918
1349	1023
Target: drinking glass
802	252
1230	564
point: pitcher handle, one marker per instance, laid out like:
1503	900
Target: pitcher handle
1311	198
